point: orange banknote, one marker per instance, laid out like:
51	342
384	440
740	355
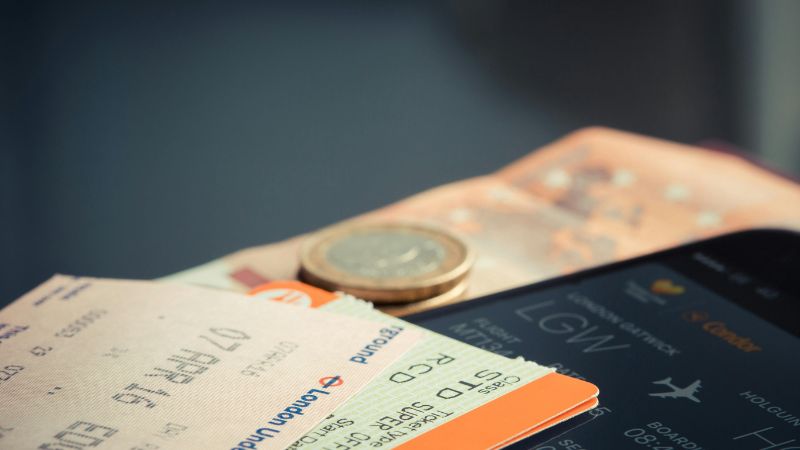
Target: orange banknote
595	196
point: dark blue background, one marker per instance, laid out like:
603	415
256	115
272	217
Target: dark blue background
141	138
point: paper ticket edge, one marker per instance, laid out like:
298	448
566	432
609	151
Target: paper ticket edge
581	397
59	284
574	412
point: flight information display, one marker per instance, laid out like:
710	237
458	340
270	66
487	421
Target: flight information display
678	365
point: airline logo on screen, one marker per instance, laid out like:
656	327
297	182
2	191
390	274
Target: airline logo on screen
665	286
721	330
659	292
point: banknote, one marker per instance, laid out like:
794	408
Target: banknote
89	362
595	196
435	394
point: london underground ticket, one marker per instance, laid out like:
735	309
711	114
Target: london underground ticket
91	364
441	394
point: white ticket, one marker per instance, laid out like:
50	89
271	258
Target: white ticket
89	363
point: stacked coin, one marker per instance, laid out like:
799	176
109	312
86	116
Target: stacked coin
388	263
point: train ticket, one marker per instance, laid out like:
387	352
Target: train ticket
441	394
93	363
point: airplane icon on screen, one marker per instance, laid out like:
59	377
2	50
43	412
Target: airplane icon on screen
686	392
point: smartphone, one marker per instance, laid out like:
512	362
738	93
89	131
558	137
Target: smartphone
693	348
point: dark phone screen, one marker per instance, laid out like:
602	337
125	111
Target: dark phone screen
680	361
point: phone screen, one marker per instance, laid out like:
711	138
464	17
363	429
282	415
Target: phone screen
689	350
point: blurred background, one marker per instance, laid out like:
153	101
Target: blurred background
141	138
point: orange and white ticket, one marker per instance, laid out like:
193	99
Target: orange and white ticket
93	363
441	394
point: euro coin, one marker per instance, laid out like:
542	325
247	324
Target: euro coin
385	262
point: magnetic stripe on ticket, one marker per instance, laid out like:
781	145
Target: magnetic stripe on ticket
520	413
